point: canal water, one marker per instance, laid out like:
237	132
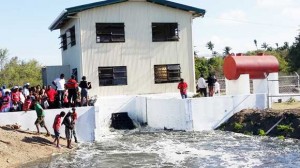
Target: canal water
146	149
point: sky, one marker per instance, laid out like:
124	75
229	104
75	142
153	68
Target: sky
234	23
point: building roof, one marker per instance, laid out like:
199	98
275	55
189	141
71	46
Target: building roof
69	12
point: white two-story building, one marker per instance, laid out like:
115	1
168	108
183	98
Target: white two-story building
127	47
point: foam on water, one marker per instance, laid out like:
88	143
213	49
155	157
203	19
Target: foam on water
141	148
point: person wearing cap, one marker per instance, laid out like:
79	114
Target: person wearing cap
59	83
73	121
26	89
15	98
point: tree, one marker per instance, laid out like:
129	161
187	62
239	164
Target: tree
227	50
264	46
294	55
255	43
17	72
276	46
3	57
210	46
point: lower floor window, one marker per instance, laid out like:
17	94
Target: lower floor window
168	73
110	76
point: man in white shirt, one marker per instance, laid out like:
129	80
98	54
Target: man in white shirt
202	86
60	87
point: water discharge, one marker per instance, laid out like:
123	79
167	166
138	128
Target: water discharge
182	149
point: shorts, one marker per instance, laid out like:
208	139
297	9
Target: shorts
56	133
68	133
84	92
40	120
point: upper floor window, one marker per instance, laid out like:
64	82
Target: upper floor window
110	32
165	32
64	43
72	36
169	73
109	76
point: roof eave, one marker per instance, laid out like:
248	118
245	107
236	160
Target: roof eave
55	24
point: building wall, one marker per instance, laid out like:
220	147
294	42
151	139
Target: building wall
138	53
72	56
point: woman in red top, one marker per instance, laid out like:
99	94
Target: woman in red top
182	86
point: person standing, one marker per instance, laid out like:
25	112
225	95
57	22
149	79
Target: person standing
72	87
60	87
182	86
40	117
68	129
202	86
51	93
56	127
73	121
84	85
211	80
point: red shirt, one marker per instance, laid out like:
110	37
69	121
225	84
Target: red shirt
51	94
182	86
26	105
15	96
74	116
71	84
57	121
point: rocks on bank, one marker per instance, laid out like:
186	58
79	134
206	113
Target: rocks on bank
261	122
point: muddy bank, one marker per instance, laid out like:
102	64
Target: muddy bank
259	122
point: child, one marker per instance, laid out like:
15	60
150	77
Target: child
56	126
68	129
73	119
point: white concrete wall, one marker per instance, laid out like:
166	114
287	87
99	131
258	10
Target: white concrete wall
138	52
174	113
73	56
241	86
84	127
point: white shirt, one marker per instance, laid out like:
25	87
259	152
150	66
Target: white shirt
201	83
217	88
60	83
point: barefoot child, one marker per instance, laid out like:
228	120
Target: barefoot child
56	126
68	129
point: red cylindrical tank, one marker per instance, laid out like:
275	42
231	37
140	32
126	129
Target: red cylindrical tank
258	67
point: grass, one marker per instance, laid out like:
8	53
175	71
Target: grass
286	105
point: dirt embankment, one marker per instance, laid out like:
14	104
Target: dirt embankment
18	147
260	122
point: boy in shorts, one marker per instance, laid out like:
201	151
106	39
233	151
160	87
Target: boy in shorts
40	117
56	126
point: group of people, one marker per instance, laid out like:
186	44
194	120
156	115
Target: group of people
65	94
202	85
69	121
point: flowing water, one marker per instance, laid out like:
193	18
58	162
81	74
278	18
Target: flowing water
181	149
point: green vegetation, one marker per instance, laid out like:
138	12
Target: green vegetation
291	100
238	126
17	72
288	57
261	132
281	137
248	133
285	129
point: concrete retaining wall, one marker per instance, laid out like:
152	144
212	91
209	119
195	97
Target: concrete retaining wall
84	128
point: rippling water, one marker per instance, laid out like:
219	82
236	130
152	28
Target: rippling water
182	149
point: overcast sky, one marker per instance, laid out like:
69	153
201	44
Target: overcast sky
235	23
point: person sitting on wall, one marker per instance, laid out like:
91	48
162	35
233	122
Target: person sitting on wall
182	86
